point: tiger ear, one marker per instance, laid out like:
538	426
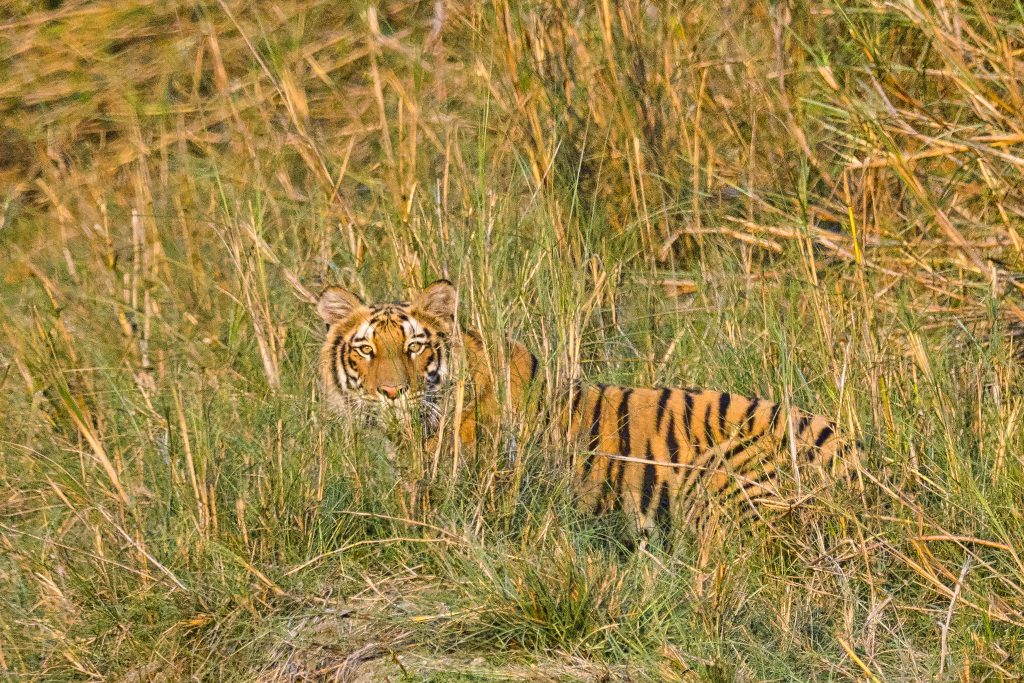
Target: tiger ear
439	300
336	304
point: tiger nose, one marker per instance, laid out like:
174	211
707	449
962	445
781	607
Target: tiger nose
390	390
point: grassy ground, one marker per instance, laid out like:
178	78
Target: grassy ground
841	182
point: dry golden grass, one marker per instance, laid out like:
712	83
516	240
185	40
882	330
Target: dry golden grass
828	193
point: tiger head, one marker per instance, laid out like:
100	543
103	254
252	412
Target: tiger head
388	358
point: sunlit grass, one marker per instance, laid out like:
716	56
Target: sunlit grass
837	185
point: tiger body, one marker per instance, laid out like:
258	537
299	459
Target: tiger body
685	455
664	456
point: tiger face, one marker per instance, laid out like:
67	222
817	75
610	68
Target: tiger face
387	358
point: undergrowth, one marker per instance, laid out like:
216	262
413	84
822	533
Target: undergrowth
818	203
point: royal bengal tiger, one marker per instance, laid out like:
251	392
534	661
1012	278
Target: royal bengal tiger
664	456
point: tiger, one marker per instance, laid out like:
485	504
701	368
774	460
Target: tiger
398	358
663	456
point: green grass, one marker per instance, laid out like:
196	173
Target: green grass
841	183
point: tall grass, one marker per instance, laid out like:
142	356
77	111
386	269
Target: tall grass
837	184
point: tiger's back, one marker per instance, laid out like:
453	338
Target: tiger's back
691	455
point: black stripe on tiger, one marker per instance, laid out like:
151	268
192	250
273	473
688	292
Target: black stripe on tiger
687	415
663	398
595	430
625	447
823	436
773	421
750	415
802	424
671	442
623	419
595	420
575	402
819	441
335	357
608	470
663	515
650	479
723	411
706	434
